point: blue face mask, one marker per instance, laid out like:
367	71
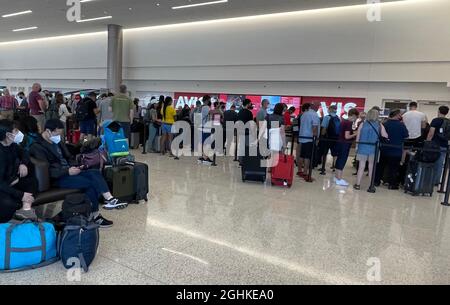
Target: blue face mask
56	139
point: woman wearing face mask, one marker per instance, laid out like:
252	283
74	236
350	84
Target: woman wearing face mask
17	187
346	136
49	148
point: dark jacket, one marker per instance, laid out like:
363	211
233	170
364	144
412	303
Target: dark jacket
10	158
44	151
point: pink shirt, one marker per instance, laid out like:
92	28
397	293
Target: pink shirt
8	102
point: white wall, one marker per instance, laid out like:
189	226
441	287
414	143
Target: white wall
407	55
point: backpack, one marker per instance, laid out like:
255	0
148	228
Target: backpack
445	127
52	111
430	153
78	242
76	205
27	245
82	111
334	127
114	141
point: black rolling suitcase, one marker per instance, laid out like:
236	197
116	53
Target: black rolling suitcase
419	178
120	180
141	181
134	140
251	167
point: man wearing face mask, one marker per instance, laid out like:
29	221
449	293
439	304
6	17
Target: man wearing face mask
17	187
49	148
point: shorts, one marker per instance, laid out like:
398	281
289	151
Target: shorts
306	151
87	127
365	158
331	146
166	128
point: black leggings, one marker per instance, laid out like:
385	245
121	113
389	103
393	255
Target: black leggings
9	205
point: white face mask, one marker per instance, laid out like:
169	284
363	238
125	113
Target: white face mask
18	138
56	139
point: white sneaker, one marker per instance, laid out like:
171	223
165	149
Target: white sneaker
335	179
342	182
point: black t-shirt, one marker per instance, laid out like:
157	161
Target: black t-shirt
245	116
90	106
437	124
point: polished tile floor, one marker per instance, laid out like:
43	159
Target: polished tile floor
202	225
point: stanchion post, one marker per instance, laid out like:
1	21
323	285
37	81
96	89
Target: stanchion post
447	192
372	188
444	175
235	146
144	148
324	160
311	162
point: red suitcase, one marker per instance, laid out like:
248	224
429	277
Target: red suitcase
283	172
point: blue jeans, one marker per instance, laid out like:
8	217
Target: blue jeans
439	167
343	152
90	181
152	137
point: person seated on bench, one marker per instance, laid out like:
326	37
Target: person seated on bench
17	186
48	147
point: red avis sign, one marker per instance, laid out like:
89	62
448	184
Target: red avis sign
190	99
344	104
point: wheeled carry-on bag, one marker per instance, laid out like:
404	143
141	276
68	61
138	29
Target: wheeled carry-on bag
134	140
419	178
283	171
120	180
141	181
252	169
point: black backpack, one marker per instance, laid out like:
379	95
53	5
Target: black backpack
430	153
334	127
82	111
76	205
445	127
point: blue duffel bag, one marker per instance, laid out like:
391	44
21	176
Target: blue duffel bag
27	245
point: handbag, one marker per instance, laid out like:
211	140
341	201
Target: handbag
382	139
92	160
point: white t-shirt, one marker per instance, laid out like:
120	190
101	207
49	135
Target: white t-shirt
63	112
413	120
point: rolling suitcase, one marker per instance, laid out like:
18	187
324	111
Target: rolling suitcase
141	181
252	169
134	140
120	180
419	178
283	171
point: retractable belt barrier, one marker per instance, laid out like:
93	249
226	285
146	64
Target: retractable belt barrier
445	179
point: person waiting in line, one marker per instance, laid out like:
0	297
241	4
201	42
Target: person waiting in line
87	115
63	111
38	104
17	185
437	135
261	116
229	117
276	132
391	155
369	131
154	126
309	128
414	121
244	136
8	104
346	137
122	108
137	109
288	117
104	113
168	119
330	134
205	129
49	148
300	163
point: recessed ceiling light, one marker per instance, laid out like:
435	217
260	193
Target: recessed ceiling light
199	4
17	14
25	29
94	19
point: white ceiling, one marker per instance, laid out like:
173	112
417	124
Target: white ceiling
50	15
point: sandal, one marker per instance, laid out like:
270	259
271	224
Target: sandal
357	187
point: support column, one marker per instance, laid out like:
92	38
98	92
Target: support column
115	56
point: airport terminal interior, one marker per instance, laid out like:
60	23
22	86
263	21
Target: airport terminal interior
335	169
